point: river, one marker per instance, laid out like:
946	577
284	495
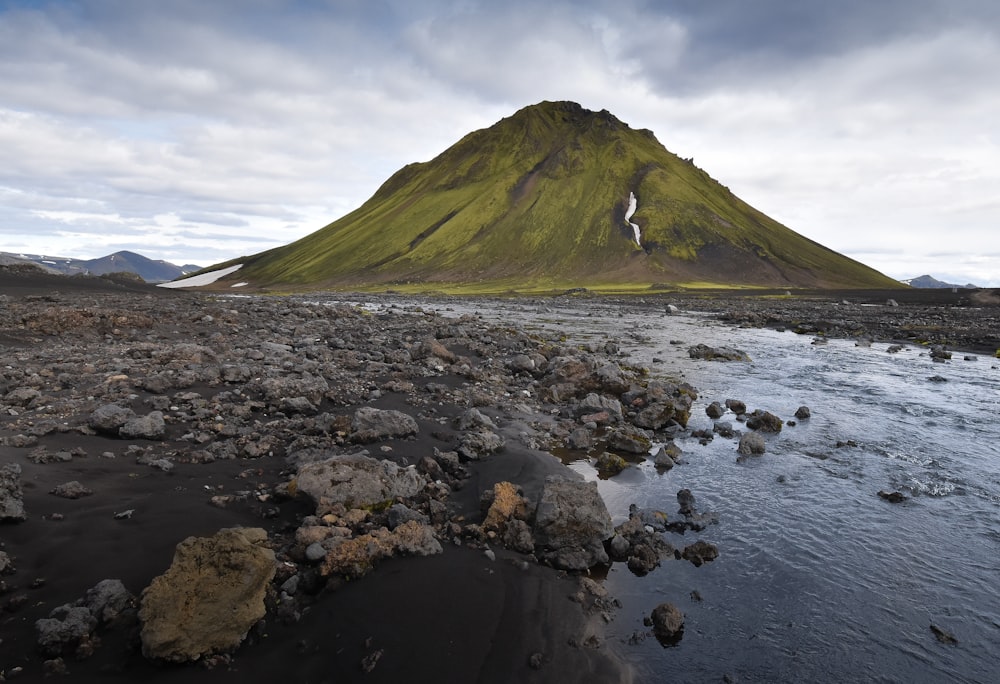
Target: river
818	579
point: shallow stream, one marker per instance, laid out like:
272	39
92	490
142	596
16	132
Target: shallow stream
818	579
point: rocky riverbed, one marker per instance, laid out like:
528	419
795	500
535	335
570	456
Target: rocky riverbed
199	486
209	487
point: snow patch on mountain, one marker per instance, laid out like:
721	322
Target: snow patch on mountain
632	204
203	279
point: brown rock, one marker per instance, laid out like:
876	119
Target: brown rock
353	558
668	623
209	598
507	504
700	552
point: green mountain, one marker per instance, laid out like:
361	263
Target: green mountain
539	201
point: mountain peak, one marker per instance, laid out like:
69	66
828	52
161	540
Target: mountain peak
567	112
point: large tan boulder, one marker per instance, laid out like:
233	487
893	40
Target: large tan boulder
209	598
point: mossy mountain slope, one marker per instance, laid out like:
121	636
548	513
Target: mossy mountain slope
540	200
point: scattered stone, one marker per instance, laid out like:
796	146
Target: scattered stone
315	552
109	418
71	490
764	421
803	412
571	524
939	353
64	629
479	444
42	456
11	496
715	410
151	426
685	501
522	363
55	667
594	404
629	439
892	497
642	559
372	425
724	429
357	480
6	564
692	519
639	541
751	444
505	504
19	441
668	624
943	636
700	552
667	456
369	662
736	406
609	464
580	439
353	558
399	514
22	396
108	600
702	351
297	405
472	419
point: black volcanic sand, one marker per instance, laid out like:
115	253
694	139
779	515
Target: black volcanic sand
457	616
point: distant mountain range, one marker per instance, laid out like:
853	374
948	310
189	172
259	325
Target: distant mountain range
552	198
928	282
150	270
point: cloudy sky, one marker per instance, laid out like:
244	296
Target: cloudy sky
198	131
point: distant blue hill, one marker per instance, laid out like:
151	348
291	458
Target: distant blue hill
928	282
150	270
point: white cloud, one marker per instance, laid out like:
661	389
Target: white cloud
868	129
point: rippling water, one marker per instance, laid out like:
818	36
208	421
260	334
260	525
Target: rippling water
818	579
